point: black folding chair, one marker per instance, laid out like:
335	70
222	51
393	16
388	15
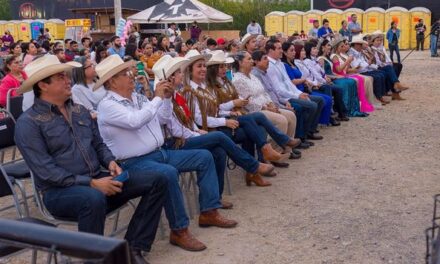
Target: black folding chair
14	104
13	169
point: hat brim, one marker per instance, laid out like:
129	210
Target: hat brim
337	43
246	40
359	42
228	60
205	57
112	73
48	71
375	36
180	65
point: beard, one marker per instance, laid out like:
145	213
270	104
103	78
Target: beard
118	45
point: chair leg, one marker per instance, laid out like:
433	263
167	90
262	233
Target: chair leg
228	181
193	181
23	197
116	222
34	256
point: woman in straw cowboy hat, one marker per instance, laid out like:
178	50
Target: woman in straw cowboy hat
385	64
186	135
350	94
205	106
340	67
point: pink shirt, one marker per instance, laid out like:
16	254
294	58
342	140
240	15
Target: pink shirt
9	82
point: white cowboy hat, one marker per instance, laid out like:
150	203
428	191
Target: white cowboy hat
110	66
194	55
245	39
358	39
168	65
335	42
219	57
376	34
42	68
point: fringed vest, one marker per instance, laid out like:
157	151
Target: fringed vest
186	121
227	93
206	100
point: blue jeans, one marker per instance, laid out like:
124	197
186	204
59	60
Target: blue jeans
434	43
394	48
172	163
311	111
89	207
221	146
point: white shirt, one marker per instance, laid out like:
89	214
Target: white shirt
212	121
132	128
171	33
28	100
306	72
87	97
284	88
251	86
360	61
177	129
382	50
316	69
254	30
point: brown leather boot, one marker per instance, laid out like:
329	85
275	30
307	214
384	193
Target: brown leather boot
256	178
269	154
396	96
266	169
398	86
293	142
184	239
226	204
214	218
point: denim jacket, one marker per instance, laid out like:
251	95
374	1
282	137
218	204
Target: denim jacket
61	153
390	35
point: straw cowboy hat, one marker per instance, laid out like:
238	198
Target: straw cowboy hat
219	57
246	38
42	68
167	65
336	41
376	34
358	39
109	67
194	55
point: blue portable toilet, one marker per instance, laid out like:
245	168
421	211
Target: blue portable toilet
35	28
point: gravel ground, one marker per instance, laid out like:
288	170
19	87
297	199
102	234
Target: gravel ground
362	195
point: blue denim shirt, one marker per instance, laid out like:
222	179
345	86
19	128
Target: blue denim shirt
61	153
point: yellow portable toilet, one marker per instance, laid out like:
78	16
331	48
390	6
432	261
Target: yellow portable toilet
417	13
293	22
309	17
57	29
334	17
2	27
373	19
24	30
274	23
12	26
346	15
401	16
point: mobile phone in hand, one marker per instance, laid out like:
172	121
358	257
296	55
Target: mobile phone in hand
124	176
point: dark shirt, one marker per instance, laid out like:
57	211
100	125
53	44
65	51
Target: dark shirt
195	32
435	29
420	29
60	153
394	42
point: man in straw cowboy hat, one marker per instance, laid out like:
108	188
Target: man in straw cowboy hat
130	125
62	146
367	67
385	64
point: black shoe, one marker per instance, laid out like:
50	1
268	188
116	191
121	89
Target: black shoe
342	118
303	146
294	155
334	122
280	164
310	143
312	136
136	257
297	152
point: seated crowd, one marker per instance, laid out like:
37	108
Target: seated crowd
157	109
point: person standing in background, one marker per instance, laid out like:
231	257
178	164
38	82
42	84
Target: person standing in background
420	37
195	32
354	27
313	33
435	31
254	28
172	32
344	31
393	36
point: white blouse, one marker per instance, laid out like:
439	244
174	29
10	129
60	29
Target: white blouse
251	86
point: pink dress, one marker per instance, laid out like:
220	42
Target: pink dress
365	105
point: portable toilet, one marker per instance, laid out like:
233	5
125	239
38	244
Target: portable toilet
346	15
334	17
373	19
401	16
274	22
293	22
24	30
12	26
57	29
36	25
309	17
417	13
2	27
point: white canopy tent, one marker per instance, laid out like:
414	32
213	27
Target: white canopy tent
180	11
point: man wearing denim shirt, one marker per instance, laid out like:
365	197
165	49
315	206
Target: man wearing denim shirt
61	145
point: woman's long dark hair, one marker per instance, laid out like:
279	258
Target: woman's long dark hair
130	50
159	44
99	49
308	48
286	46
321	48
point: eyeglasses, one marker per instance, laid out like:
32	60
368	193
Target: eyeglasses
127	73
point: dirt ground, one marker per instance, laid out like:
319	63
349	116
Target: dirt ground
362	195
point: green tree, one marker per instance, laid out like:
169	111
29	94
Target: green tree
246	10
5	10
